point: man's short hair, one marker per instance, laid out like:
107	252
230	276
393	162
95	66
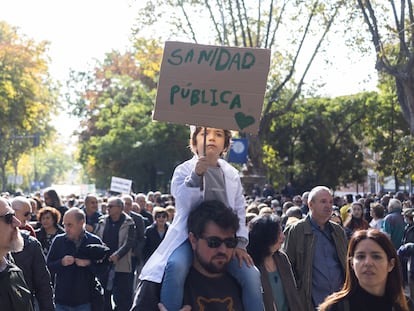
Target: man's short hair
316	190
215	211
77	213
118	202
90	196
394	204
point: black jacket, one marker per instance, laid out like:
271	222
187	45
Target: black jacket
139	234
14	294
42	237
152	240
33	264
74	285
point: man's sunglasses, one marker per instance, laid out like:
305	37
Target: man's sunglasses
8	218
215	242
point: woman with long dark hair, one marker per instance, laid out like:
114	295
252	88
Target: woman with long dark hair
279	287
373	276
52	199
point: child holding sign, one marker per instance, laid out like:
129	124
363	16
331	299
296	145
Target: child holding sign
221	181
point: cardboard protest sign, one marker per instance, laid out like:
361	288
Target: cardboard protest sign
214	86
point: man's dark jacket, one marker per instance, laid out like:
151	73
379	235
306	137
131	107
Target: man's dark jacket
74	285
33	264
14	293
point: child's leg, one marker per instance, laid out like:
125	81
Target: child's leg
251	284
176	270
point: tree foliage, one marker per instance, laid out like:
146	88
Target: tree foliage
117	136
27	95
320	141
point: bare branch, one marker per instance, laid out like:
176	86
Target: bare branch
259	20
411	19
279	19
187	19
400	28
269	23
275	93
249	33
233	23
216	25
241	22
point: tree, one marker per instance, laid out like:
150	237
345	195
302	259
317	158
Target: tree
320	141
294	30
391	26
27	95
118	137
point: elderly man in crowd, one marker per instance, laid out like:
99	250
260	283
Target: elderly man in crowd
117	230
32	261
317	249
393	223
14	292
91	212
75	273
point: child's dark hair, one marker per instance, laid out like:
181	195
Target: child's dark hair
198	129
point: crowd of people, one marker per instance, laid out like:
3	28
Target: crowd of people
207	245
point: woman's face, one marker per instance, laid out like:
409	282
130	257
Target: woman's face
161	218
357	211
47	221
278	244
371	266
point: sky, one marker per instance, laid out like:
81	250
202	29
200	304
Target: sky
81	31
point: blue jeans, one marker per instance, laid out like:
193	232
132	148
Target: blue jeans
178	266
85	307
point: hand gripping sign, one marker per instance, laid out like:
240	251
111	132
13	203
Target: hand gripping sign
212	86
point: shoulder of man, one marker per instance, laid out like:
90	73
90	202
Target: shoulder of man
129	219
136	215
302	224
92	238
103	218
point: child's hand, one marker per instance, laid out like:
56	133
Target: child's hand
201	166
242	254
203	163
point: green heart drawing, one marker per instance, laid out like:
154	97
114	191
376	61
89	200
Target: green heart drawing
242	120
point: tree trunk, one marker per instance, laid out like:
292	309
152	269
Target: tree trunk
405	93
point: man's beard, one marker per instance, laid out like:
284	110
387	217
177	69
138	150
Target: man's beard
17	243
211	266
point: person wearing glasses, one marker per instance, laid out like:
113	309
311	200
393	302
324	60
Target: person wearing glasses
23	210
155	233
117	231
14	292
204	177
32	260
208	285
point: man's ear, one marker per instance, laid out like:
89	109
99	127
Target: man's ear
193	240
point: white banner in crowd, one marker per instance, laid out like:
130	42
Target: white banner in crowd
121	185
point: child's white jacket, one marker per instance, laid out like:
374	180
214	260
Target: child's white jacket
186	198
